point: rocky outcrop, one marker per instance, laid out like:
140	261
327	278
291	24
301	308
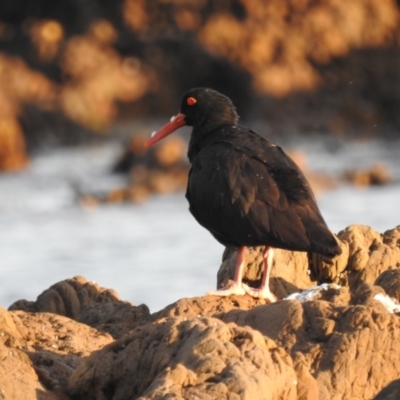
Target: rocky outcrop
187	359
80	341
365	255
88	303
39	351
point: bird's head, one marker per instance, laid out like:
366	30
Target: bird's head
200	107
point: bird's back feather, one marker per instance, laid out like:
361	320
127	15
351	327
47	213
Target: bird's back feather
247	192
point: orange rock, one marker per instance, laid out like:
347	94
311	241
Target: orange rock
365	255
47	36
116	196
13	155
88	303
137	193
199	358
170	152
378	174
343	344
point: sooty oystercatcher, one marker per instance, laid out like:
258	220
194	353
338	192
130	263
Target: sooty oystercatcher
244	189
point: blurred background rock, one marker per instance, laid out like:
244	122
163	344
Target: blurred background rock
68	70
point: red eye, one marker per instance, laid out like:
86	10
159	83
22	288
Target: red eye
190	101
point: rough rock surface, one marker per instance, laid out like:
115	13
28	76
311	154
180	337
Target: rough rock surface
39	351
88	303
188	359
80	341
365	255
284	280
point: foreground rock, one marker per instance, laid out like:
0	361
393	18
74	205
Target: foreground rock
39	351
80	341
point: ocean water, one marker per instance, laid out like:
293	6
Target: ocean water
155	252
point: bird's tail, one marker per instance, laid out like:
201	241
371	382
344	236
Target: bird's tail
323	241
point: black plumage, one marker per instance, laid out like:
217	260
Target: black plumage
244	189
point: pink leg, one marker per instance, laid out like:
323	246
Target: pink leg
263	291
236	287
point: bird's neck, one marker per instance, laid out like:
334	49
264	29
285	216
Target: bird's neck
204	130
220	115
195	143
201	138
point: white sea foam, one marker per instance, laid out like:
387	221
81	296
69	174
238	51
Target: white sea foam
311	293
389	303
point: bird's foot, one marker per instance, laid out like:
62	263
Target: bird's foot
261	293
228	290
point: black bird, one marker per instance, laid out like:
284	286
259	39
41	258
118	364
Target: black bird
244	189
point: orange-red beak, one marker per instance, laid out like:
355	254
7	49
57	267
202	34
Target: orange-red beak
176	122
